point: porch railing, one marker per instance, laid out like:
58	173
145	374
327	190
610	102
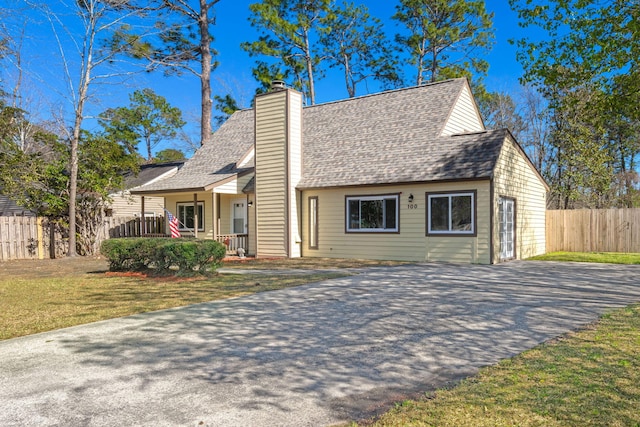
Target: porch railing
233	242
134	227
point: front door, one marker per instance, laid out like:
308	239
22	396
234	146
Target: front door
506	213
239	216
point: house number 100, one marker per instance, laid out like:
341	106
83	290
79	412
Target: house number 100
412	206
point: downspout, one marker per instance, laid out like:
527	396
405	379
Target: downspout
492	209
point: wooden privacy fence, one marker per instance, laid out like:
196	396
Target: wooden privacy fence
28	237
21	237
593	230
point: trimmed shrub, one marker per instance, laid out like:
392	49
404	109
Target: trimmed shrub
122	254
191	256
188	255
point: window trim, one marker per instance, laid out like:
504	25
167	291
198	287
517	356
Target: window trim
361	197
452	233
182	227
313	225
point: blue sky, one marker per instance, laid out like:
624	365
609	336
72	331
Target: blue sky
235	65
234	72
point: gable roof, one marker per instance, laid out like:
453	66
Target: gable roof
390	137
215	161
8	207
150	172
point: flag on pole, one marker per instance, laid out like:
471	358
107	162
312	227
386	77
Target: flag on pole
173	224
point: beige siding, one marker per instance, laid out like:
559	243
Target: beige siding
235	186
295	171
125	204
252	249
515	178
226	211
247	158
205	197
465	249
271	177
411	243
464	116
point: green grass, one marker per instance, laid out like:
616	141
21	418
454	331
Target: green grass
35	304
586	378
599	257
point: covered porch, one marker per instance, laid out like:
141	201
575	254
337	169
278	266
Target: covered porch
223	212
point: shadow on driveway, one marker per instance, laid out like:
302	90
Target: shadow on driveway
314	355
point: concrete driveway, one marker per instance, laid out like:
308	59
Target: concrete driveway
314	355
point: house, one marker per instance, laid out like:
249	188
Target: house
408	174
124	204
8	207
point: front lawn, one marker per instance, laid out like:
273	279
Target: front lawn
586	378
599	257
42	295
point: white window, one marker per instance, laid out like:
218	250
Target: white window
186	216
451	213
372	214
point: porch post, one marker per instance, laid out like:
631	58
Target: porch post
143	222
214	215
195	215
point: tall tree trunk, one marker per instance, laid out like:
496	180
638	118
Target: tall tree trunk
205	77
73	180
421	54
351	86
434	64
309	61
147	139
83	90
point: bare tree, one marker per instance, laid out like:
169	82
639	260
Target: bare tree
83	32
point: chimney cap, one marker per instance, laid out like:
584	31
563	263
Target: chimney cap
278	85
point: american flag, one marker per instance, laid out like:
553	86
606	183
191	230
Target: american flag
173	224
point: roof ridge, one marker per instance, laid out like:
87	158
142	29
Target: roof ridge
385	92
369	95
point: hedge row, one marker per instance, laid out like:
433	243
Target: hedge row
163	255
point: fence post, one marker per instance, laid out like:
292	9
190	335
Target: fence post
40	238
52	240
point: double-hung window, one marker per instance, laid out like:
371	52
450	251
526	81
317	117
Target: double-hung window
451	213
187	218
372	214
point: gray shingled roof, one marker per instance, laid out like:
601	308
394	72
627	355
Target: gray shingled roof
386	138
391	137
455	157
149	172
216	161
